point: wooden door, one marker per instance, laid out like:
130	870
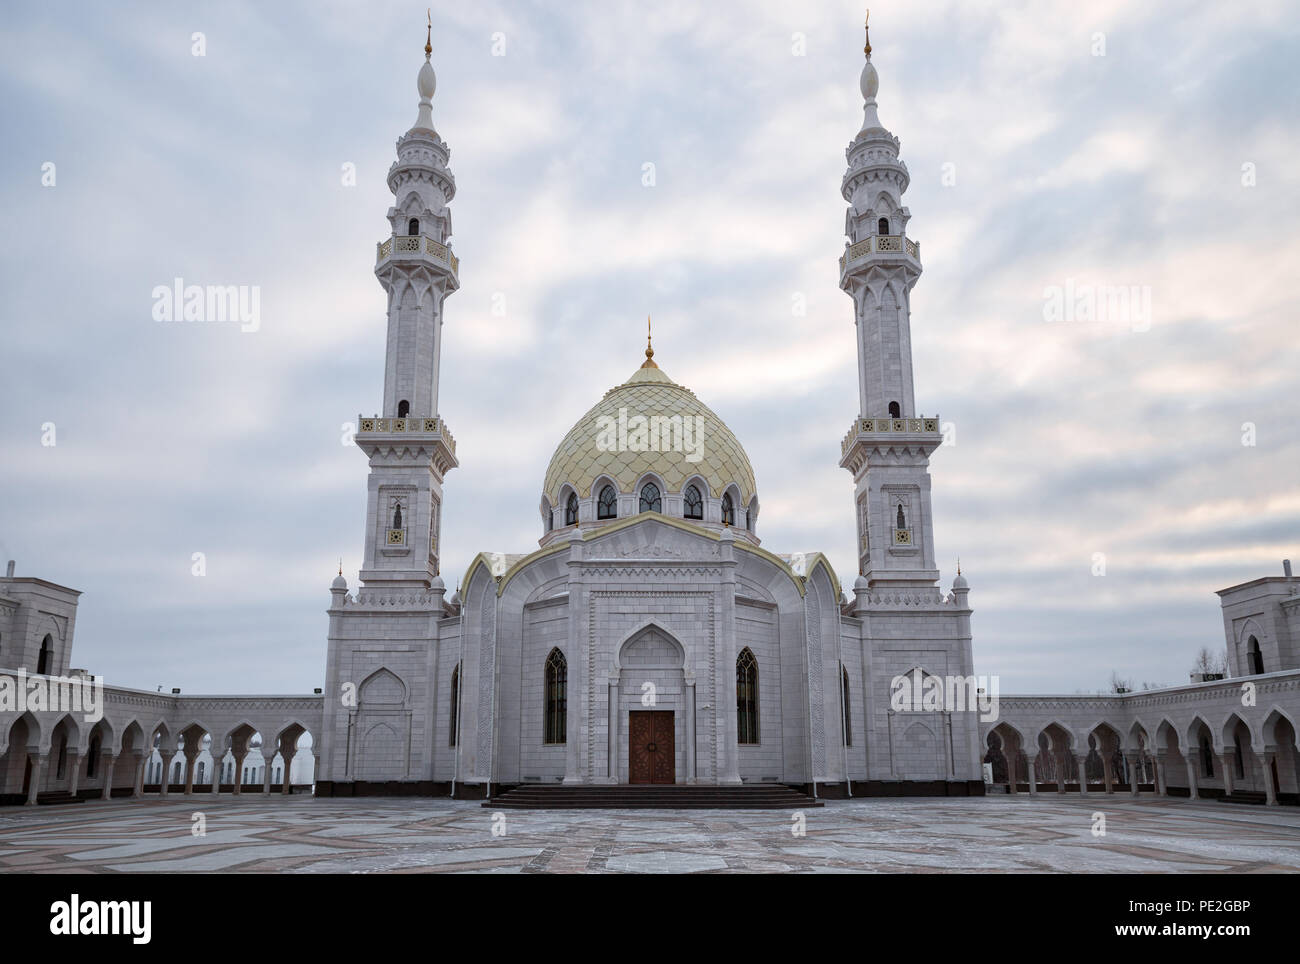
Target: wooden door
650	747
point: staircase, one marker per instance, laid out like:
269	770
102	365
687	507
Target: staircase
1257	797
750	796
56	798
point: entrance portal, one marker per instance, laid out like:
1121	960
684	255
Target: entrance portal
650	747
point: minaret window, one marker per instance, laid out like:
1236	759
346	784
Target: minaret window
746	697
571	510
44	662
894	410
728	510
882	226
1254	659
397	516
607	504
403	407
557	673
413	226
694	504
650	501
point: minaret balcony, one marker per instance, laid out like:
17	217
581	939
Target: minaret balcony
922	433
415	248
880	248
402	438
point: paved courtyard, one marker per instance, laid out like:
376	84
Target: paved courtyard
415	835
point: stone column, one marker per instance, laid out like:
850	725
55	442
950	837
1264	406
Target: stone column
218	765
1227	763
1193	791
74	765
611	765
1159	779
1270	792
1134	768
690	727
137	789
1081	759
106	764
288	767
34	786
1107	772
1011	768
239	770
266	770
1031	774
166	773
1061	774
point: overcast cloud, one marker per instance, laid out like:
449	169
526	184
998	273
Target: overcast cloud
1073	437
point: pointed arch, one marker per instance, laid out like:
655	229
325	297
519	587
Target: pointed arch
383	687
637	647
747	723
556	709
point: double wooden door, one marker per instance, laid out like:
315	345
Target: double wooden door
650	747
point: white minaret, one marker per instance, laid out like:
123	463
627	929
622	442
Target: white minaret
888	448
408	443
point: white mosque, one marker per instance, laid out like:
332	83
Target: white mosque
651	638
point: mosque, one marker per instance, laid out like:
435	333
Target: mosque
651	637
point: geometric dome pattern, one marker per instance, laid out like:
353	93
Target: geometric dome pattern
585	453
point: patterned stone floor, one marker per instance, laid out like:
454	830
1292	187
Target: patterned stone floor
974	835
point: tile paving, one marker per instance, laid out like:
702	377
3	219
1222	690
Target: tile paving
415	835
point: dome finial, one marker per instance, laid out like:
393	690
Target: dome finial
866	25
428	37
649	349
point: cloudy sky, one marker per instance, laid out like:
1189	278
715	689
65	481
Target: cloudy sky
1050	144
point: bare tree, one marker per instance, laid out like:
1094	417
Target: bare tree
1119	684
1211	663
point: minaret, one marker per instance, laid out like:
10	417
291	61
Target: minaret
888	448
408	444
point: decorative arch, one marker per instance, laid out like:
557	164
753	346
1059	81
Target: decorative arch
569	500
630	644
383	687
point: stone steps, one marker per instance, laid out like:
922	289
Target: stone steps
652	797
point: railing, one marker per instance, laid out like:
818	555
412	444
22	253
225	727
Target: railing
925	424
880	243
411	244
400	426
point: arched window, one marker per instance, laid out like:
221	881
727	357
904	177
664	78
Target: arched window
746	697
728	510
454	728
571	510
1254	658
413	226
693	504
650	501
607	504
882	226
557	677
403	408
1207	757
894	410
847	720
901	521
45	661
397	516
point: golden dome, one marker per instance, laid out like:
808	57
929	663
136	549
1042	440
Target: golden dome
602	444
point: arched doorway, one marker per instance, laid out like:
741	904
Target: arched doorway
651	716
